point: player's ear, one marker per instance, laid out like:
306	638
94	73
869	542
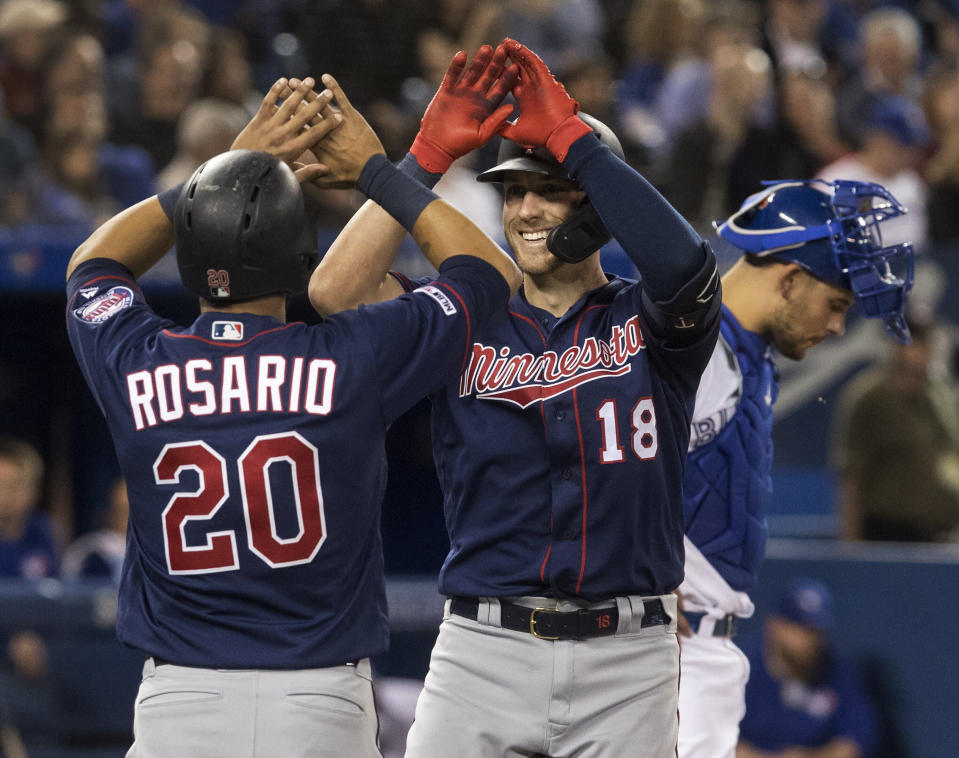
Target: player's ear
791	276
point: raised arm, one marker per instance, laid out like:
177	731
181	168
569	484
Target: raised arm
441	231
663	246
140	236
355	269
136	237
463	115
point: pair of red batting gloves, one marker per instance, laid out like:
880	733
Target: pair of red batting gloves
467	109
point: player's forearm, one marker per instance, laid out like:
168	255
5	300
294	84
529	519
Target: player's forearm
442	232
666	250
137	237
439	229
355	269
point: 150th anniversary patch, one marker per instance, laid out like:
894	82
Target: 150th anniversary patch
105	306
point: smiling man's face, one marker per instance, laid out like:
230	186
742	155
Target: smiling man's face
533	206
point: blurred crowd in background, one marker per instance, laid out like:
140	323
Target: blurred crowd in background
105	102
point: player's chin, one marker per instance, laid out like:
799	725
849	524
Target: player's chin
536	260
795	351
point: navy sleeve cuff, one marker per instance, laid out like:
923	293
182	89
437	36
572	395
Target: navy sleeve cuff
412	168
168	200
580	151
399	195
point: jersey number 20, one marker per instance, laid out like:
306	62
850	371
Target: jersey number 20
220	551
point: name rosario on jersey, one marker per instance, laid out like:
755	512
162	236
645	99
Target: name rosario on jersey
281	385
525	378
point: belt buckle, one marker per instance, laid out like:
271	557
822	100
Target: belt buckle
532	625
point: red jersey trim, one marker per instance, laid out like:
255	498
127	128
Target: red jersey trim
582	455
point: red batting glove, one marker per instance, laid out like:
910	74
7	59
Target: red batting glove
547	112
463	114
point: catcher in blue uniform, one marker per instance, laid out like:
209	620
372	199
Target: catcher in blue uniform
253	448
560	447
811	250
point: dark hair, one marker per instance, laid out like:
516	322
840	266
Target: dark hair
24	455
761	261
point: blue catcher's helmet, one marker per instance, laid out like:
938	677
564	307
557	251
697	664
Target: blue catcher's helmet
831	229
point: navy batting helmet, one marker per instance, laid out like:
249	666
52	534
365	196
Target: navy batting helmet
242	229
831	229
583	233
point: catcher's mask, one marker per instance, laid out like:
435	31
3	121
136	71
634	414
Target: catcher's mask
583	233
242	229
831	229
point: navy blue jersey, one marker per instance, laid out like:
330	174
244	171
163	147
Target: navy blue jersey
560	451
253	452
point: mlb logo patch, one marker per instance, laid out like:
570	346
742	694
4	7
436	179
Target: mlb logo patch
231	331
440	297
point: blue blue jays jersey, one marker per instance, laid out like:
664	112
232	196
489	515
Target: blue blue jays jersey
253	452
728	474
34	554
789	713
560	452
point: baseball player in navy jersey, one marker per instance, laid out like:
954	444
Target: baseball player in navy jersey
253	448
560	446
811	250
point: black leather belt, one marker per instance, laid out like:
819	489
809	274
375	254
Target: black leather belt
725	626
560	625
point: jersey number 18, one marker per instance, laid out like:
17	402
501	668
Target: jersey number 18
644	441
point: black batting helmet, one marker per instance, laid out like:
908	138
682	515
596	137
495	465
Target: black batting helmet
539	160
242	229
583	233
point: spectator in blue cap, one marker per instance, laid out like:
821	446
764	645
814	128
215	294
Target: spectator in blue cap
802	699
891	41
893	141
807	603
900	118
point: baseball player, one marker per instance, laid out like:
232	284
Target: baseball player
804	698
253	448
560	446
811	250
